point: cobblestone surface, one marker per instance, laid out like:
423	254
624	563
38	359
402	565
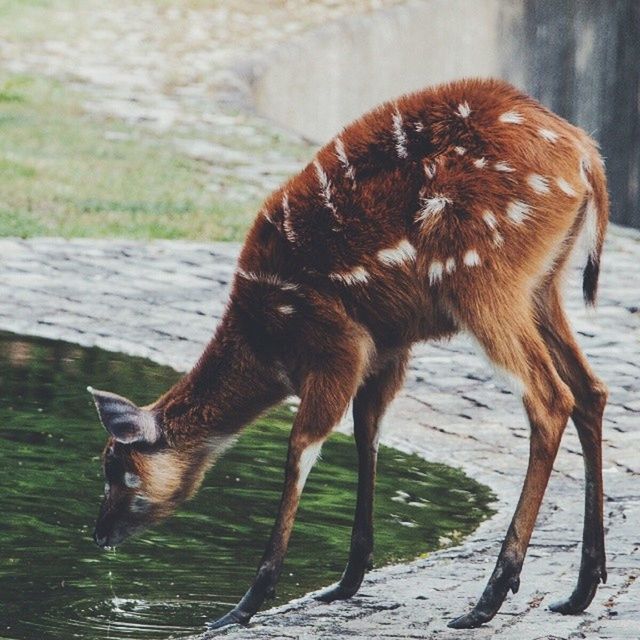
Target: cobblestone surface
159	300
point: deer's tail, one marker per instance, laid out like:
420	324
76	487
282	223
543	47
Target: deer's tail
596	217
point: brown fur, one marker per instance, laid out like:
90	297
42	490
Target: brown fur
475	213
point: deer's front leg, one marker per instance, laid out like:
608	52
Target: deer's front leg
368	407
323	402
301	457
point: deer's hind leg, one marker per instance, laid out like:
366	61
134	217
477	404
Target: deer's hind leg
369	405
591	396
509	336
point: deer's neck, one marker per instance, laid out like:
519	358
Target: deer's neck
228	387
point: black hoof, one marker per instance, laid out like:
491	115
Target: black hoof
233	617
566	607
505	578
583	594
575	603
470	620
338	592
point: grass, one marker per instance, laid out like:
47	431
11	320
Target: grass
63	173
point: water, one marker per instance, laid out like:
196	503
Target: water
55	584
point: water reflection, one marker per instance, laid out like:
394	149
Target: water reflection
54	582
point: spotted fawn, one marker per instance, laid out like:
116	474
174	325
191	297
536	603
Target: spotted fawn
453	209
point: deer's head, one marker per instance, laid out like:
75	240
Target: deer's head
146	477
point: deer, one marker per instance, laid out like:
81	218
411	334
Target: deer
452	209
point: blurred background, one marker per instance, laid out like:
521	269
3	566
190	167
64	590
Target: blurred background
175	118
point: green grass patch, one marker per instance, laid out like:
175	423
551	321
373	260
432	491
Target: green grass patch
67	174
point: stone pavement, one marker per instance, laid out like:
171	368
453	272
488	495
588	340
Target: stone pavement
160	299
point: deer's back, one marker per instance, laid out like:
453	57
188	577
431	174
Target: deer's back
470	184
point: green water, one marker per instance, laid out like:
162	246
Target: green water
56	584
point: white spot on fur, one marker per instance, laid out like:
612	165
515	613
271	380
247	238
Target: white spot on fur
460	150
285	204
357	275
344	160
435	272
267	278
503	166
538	183
218	445
550	259
489	219
287	224
399	135
325	186
418	126
548	135
518	211
585	166
565	187
307	459
286	309
511	117
131	480
430	170
590	228
450	265
480	163
375	444
433	206
464	111
403	252
471	258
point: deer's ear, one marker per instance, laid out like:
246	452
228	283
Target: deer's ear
123	420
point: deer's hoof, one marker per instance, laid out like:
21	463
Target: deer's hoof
470	620
565	607
583	594
233	617
337	592
576	603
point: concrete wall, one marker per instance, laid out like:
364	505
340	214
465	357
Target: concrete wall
580	57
